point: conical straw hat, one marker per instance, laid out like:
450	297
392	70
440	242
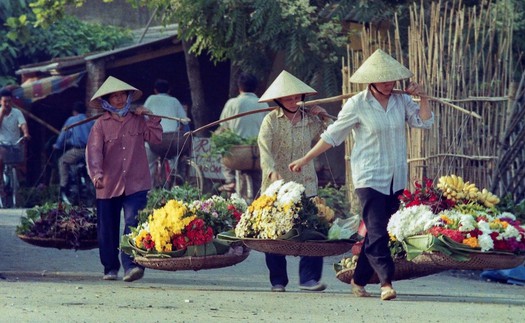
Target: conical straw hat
380	67
111	85
286	85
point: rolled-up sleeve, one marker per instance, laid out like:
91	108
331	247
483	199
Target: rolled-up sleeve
412	114
338	131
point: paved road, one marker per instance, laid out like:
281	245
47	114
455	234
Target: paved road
51	285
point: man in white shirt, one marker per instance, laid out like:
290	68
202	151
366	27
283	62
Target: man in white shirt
247	126
161	103
11	122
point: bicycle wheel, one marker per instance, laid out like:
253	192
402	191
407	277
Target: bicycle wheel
8	194
194	175
244	186
14	186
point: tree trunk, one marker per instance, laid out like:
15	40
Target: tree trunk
198	107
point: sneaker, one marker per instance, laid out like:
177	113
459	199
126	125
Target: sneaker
313	286
112	275
278	288
133	274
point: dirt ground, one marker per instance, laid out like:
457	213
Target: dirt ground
50	285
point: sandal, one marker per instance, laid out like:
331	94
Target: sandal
228	187
359	291
388	293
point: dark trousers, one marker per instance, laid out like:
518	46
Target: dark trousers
310	268
108	228
375	254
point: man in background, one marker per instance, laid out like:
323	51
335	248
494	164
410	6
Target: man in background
73	143
161	103
246	126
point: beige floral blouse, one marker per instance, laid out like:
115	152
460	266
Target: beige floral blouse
280	143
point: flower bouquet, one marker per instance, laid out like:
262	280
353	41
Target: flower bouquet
181	235
58	225
456	225
284	221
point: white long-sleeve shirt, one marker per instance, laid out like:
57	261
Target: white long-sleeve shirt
380	149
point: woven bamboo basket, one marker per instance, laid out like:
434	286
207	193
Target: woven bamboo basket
173	144
404	269
242	157
299	248
59	243
193	263
477	261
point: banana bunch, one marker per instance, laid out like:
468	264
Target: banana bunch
487	198
455	188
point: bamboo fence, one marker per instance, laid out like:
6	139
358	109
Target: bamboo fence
463	56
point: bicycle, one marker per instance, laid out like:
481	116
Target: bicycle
14	156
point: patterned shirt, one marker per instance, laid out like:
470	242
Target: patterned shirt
380	149
116	152
280	143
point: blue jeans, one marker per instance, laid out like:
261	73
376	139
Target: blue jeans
108	228
375	254
310	268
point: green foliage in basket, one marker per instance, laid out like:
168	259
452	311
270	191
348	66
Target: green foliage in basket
221	142
336	198
508	204
60	221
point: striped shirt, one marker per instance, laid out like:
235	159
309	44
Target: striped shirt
380	149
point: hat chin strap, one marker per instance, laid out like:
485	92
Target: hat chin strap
375	88
285	109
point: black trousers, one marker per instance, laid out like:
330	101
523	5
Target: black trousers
375	254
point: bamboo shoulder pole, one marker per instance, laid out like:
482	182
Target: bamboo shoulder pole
442	101
307	103
37	119
96	116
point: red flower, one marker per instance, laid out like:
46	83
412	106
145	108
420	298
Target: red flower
148	242
426	194
179	242
452	234
198	233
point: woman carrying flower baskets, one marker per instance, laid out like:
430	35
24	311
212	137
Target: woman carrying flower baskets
377	118
286	134
118	166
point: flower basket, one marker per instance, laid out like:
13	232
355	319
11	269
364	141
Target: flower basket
323	248
242	157
59	243
284	221
236	255
476	261
56	225
173	144
404	269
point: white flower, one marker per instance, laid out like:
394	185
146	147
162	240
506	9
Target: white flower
411	221
511	232
485	241
274	187
506	215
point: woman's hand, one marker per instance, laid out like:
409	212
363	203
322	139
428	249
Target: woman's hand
317	110
415	89
141	110
297	165
98	182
